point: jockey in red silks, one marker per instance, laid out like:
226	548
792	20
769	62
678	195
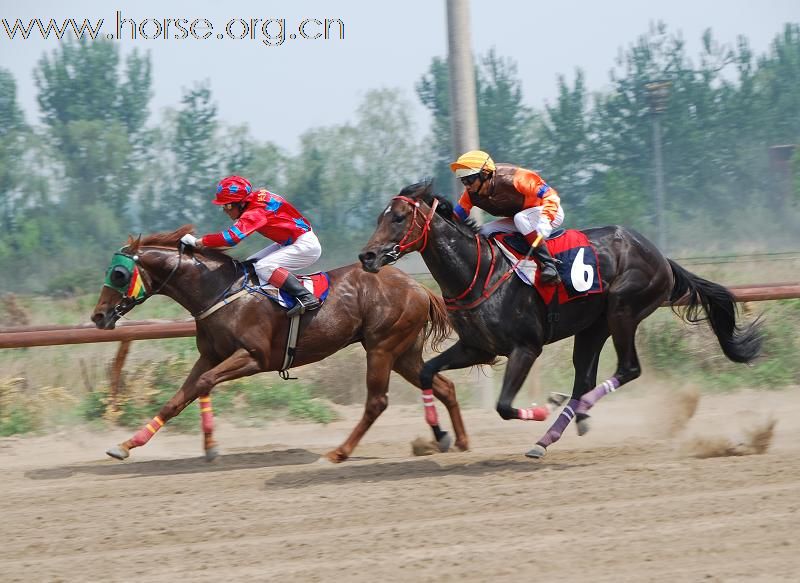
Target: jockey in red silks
528	204
296	246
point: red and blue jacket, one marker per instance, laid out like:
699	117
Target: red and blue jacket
267	214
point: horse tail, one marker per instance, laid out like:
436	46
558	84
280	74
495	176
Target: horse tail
739	344
438	327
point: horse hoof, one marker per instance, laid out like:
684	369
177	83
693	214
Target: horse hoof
118	452
583	424
212	453
536	452
445	442
332	457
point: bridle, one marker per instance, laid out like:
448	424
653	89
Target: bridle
453	304
402	246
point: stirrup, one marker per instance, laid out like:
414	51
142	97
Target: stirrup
302	307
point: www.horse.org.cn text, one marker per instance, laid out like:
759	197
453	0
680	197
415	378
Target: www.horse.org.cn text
270	32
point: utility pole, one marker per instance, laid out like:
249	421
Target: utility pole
464	131
658	94
463	106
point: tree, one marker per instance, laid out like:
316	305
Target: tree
196	157
94	113
433	90
505	123
344	175
565	153
13	131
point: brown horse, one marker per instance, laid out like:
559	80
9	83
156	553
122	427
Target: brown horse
390	314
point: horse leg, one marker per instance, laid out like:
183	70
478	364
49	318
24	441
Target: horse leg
207	425
623	333
409	366
379	366
457	356
199	382
519	364
585	358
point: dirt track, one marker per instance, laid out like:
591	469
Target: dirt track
624	503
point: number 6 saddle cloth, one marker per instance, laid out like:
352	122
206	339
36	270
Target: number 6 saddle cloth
576	261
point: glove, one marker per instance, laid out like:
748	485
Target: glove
544	228
190	240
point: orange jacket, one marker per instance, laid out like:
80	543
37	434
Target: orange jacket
514	189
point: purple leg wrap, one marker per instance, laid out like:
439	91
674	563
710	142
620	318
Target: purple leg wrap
597	393
554	433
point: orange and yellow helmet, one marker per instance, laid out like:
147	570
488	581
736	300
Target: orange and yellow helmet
471	163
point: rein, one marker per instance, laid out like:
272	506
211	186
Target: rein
452	303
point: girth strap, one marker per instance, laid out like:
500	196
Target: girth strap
291	346
222	303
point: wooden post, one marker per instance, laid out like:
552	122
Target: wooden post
116	372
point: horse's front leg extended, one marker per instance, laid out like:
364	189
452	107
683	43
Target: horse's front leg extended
457	356
199	382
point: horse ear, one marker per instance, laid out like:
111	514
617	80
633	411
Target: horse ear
135	243
426	193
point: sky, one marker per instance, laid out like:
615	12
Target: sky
282	90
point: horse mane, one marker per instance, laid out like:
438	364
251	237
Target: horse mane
424	191
170	240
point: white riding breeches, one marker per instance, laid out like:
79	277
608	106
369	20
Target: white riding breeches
302	253
525	221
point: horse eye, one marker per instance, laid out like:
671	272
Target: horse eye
398	218
119	276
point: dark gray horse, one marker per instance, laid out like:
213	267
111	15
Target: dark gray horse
495	314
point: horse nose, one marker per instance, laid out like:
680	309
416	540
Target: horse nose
101	320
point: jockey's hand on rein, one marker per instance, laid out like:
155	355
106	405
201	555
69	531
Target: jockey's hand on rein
190	240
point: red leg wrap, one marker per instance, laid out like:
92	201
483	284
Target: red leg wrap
430	409
206	415
533	413
145	433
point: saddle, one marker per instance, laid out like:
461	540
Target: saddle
316	283
576	261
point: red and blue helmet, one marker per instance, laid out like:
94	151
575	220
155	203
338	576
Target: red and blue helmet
232	189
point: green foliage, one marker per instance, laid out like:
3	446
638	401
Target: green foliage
676	350
94	113
796	176
152	384
614	199
93	406
344	175
17	420
433	90
505	123
291	397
